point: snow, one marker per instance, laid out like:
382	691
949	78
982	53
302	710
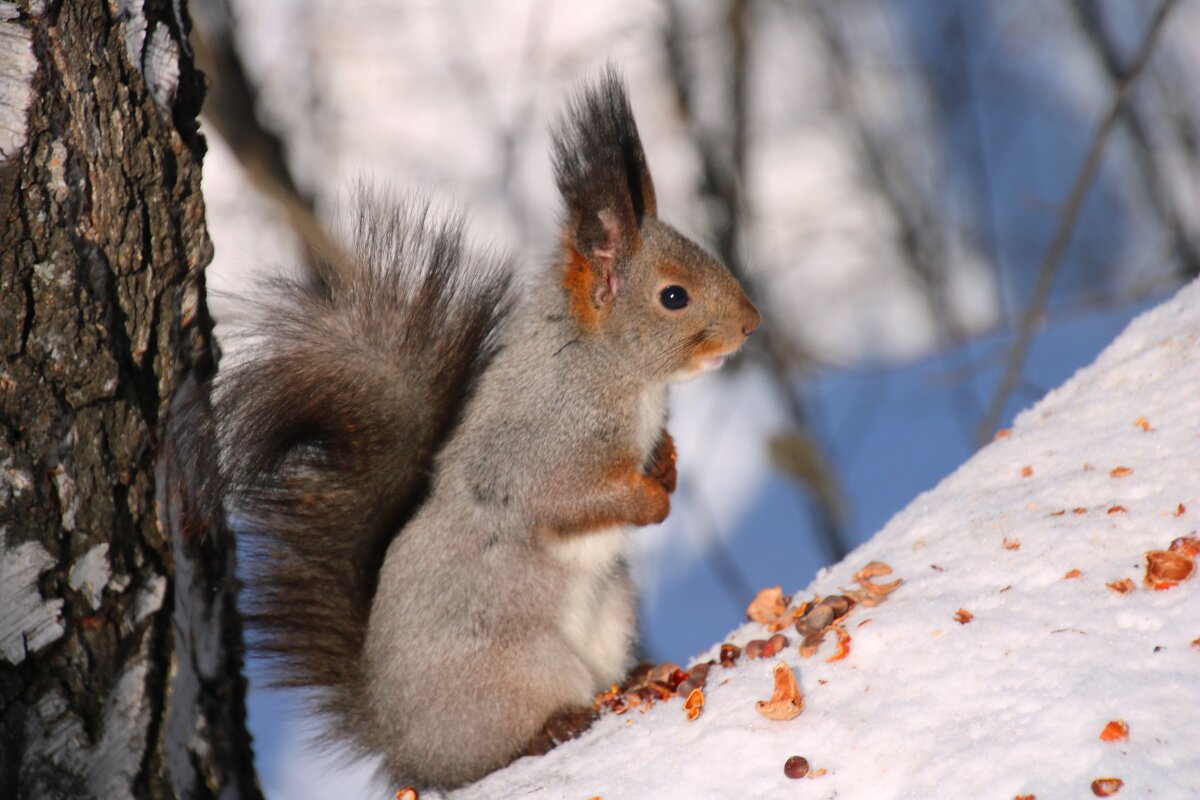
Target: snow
1013	701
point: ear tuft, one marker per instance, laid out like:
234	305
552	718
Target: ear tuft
601	170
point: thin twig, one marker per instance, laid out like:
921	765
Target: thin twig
1066	227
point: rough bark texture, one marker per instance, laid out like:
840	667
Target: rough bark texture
120	649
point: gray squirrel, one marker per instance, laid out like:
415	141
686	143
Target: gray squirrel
439	469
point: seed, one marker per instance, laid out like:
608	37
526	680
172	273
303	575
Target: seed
796	767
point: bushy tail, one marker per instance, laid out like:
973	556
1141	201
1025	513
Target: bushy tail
329	423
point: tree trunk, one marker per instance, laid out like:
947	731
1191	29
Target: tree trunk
120	646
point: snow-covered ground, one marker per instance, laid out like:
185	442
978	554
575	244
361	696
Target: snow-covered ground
1026	536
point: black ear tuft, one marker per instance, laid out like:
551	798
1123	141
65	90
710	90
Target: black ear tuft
601	169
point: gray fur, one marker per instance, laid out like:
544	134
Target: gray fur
498	449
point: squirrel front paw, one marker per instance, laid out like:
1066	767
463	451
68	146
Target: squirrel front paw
653	503
662	464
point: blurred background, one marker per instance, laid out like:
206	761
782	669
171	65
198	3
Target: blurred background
942	208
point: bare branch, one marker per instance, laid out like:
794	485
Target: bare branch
1066	227
231	108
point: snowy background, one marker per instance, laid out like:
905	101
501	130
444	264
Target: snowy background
887	177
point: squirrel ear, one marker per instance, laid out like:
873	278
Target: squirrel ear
602	174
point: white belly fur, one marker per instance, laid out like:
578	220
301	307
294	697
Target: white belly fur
597	615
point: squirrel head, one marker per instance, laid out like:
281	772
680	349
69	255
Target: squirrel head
628	276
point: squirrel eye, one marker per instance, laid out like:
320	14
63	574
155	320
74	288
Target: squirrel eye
673	298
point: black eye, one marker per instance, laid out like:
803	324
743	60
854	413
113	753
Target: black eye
673	298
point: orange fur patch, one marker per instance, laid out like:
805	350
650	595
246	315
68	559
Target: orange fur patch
580	282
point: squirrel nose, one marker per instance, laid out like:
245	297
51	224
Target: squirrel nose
750	319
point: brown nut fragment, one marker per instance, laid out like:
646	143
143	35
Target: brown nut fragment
843	644
796	767
1165	569
839	604
661	673
962	616
818	618
755	648
697	677
1115	731
775	644
767	606
694	704
1123	586
729	654
1106	787
787	702
1187	545
812	643
872	594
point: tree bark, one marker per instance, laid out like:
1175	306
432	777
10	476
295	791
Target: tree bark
120	645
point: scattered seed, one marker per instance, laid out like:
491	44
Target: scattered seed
786	702
407	793
694	704
796	767
1166	568
1141	422
1115	731
1120	472
729	654
1026	472
1011	544
767	606
1105	787
962	616
1123	586
755	648
843	644
1187	545
1117	510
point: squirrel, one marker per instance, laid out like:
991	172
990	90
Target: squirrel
439	468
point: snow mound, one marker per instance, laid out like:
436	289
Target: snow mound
1012	702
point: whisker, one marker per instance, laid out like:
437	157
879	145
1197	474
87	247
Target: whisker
668	352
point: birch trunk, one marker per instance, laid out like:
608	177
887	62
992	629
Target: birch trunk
120	647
